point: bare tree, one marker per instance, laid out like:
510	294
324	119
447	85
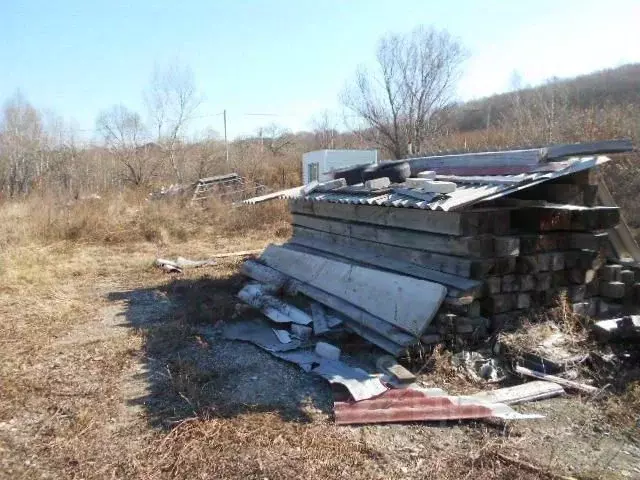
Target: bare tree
402	99
22	146
125	136
275	139
324	130
172	99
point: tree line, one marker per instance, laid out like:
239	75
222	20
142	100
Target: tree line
404	105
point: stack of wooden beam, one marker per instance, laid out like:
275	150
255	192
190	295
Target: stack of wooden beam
496	262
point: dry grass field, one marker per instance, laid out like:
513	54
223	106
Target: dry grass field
110	368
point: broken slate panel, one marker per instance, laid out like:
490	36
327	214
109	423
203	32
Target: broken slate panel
283	335
305	358
360	384
258	332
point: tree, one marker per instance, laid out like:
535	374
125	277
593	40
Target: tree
172	99
401	102
324	130
22	145
126	137
275	139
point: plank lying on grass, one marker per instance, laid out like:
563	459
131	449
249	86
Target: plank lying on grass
481	246
527	392
460	285
405	302
560	381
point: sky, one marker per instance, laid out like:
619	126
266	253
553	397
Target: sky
286	61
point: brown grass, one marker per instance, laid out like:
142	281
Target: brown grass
64	402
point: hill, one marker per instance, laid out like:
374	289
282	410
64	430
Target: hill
612	87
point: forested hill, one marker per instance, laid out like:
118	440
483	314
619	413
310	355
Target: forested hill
618	86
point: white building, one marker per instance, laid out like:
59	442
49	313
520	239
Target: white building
316	165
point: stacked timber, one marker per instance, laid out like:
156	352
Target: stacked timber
496	262
452	248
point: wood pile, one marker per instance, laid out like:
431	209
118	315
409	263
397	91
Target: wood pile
498	245
496	262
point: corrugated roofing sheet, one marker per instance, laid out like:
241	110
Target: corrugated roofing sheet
411	405
470	190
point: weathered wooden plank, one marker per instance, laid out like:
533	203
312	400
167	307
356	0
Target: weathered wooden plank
493	285
408	303
540	219
498	304
481	246
580	275
459	266
523	300
549	218
445	223
611	273
588	241
459	285
470	310
389	366
612	289
543	281
527	283
529	264
506	246
560	381
527	392
628	277
583	259
509	284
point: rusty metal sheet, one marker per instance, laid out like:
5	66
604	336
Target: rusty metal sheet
413	405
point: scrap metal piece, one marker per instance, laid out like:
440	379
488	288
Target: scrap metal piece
258	332
411	405
360	384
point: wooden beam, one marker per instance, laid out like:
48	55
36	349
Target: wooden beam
461	286
481	246
444	263
445	223
527	392
560	381
459	266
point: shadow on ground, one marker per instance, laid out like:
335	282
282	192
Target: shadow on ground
188	369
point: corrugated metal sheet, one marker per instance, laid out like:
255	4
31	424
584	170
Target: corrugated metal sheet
470	190
411	405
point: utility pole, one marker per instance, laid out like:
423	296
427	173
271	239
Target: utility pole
226	143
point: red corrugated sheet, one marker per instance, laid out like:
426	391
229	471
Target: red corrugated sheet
408	406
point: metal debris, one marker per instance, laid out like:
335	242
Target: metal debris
360	384
412	405
258	332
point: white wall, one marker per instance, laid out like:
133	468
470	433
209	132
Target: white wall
329	160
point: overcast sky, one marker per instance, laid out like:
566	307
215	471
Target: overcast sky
286	58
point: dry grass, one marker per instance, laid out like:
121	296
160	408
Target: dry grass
70	398
129	217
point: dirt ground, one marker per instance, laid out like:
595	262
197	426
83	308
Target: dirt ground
110	368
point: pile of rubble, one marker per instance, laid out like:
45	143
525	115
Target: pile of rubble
442	249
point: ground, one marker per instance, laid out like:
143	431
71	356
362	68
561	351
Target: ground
112	369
